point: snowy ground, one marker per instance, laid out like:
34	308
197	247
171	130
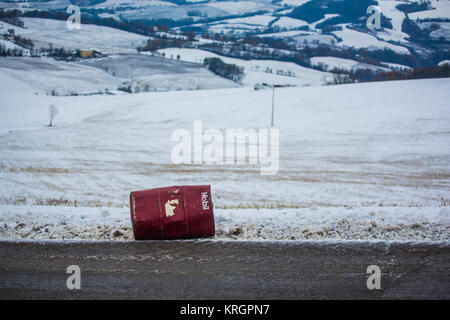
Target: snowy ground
362	161
330	63
107	223
441	10
289	23
159	74
46	76
44	32
356	39
259	71
388	8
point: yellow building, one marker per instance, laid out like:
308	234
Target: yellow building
86	53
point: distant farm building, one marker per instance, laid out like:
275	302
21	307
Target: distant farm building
90	53
86	54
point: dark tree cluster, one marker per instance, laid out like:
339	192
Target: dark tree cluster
18	40
68	54
216	37
10	52
153	45
417	73
225	70
414	6
367	75
419	34
86	3
350	11
11	17
23	42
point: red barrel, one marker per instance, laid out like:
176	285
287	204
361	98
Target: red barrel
172	213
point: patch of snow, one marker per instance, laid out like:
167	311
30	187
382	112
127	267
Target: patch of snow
395	66
238	7
327	16
330	63
356	39
443	33
256	20
441	11
289	23
294	3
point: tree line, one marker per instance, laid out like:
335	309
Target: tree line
225	70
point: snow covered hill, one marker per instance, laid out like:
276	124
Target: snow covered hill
408	27
440	9
47	76
259	71
106	75
330	63
145	72
154	9
252	16
369	161
108	40
355	39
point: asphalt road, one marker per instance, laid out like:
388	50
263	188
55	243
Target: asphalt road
224	270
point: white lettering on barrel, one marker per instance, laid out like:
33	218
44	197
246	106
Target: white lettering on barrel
205	205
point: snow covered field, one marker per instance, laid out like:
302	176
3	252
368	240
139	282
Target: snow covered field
151	73
441	10
360	161
259	71
356	39
388	8
108	40
330	63
47	76
289	23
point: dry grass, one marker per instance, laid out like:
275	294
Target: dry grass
38	170
63	202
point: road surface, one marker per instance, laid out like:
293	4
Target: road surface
224	270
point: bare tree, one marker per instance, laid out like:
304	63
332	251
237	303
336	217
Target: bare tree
53	111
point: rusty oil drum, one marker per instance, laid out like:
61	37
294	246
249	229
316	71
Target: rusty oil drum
172	213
